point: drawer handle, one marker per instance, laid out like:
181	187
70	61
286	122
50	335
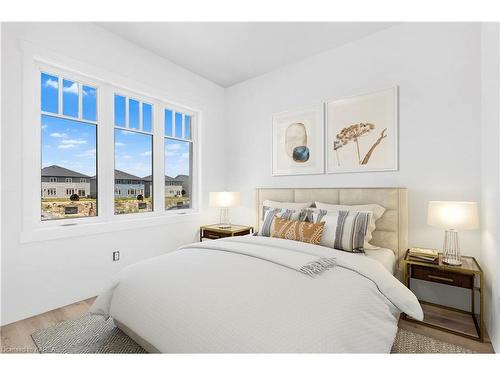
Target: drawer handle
440	278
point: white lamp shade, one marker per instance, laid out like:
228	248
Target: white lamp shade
453	215
224	199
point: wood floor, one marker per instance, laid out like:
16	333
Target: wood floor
16	337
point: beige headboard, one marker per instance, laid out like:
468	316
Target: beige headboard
392	227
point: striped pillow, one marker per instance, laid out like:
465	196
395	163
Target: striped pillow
270	213
297	230
314	215
345	230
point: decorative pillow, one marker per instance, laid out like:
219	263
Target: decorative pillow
376	210
284	205
314	215
345	230
297	230
270	213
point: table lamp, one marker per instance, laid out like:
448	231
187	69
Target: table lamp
224	200
452	216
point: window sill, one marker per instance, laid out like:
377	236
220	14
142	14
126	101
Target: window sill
82	228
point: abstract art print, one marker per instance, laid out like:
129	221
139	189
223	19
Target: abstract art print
362	133
298	142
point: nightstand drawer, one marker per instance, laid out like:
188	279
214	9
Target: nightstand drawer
443	277
214	235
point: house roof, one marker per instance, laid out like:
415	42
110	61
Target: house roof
120	175
57	171
180	177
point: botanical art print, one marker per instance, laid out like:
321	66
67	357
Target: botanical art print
362	133
298	142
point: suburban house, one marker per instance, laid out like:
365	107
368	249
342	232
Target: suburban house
126	185
59	182
173	185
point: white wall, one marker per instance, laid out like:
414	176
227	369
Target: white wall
437	68
40	276
490	235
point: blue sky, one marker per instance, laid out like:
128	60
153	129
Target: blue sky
69	144
133	152
72	144
176	157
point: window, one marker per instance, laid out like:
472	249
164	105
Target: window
152	164
49	192
133	120
178	160
68	121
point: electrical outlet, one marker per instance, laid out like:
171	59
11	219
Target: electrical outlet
116	256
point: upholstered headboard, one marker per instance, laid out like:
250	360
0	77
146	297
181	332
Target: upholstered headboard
392	227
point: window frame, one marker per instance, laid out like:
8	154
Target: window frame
36	60
174	137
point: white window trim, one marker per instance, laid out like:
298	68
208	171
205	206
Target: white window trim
36	59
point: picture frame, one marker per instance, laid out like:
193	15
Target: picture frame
298	142
361	132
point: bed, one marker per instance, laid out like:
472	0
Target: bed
250	294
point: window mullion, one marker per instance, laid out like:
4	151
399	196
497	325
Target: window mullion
158	158
105	153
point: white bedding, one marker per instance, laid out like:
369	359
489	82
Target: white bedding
385	256
219	296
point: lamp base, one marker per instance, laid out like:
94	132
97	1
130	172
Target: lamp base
224	218
452	262
451	248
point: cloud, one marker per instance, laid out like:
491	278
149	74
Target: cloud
73	89
59	135
51	83
44	126
174	146
126	157
73	141
88	91
66	146
146	153
119	144
88	153
185	155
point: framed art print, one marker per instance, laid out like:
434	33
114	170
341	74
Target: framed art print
298	142
362	133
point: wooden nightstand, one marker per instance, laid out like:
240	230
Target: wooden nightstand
463	276
213	231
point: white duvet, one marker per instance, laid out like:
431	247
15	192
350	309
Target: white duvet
226	296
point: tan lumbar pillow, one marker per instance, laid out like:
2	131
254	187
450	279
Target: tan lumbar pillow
297	230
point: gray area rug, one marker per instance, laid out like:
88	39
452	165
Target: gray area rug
93	334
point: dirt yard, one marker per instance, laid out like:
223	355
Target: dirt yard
64	208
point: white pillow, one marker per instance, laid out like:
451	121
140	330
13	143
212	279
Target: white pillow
350	235
270	213
376	210
287	205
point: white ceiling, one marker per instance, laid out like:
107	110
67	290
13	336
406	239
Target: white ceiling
229	53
